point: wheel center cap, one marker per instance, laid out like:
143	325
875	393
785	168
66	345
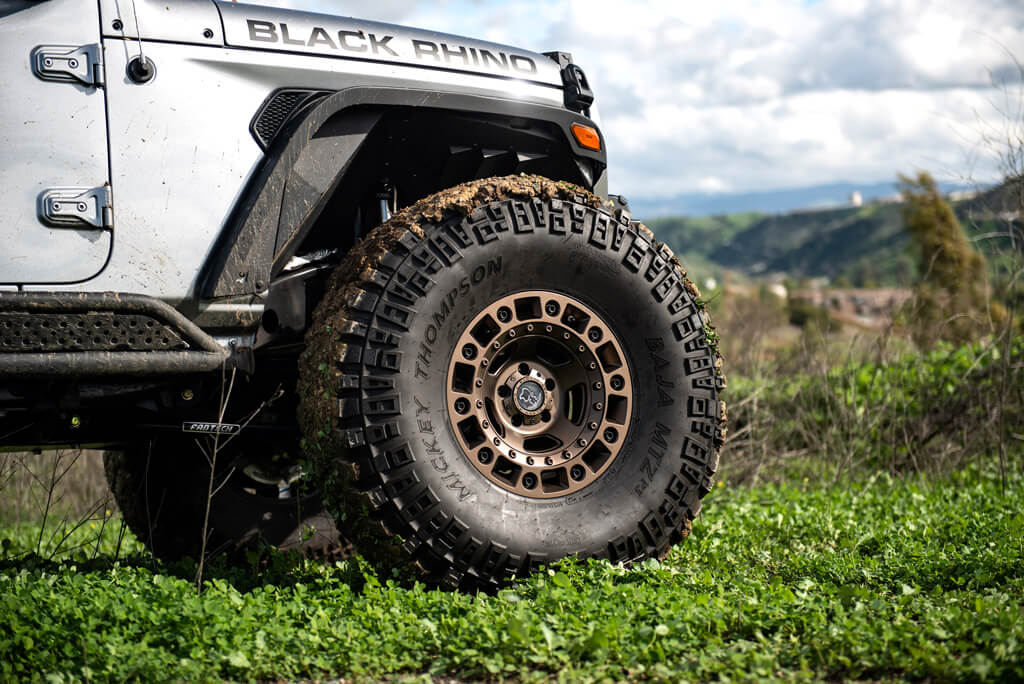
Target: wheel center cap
529	396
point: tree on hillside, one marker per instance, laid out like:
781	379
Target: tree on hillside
951	298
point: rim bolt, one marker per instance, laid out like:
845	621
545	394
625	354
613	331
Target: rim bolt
581	348
529	480
594	334
504	314
592	366
618	383
598	406
511	454
530	327
567	455
497	345
479	404
461	406
484	363
469	352
597	385
484	424
547	328
479	382
565	336
593	425
551	308
577	473
529	460
496	441
548	460
511	333
485	455
582	441
610	435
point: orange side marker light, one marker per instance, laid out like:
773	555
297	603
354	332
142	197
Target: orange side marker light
587	136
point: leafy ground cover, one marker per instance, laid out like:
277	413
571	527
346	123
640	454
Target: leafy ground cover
883	579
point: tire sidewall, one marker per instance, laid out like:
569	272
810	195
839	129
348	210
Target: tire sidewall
612	268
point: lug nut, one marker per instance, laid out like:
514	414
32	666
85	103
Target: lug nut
504	391
549	384
594	334
551	308
611	435
577	473
618	383
484	456
504	314
469	352
545	416
529	480
461	406
523	369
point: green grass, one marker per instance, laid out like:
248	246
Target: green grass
878	580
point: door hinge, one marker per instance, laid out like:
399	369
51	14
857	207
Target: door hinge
77	207
68	63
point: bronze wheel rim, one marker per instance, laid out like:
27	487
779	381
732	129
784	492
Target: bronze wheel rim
539	394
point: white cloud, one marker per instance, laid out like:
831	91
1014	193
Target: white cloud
762	94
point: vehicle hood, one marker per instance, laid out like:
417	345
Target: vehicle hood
268	28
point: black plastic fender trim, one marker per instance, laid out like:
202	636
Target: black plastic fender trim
304	166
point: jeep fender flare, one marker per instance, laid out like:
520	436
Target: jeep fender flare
309	160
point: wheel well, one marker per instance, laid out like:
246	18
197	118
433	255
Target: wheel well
415	152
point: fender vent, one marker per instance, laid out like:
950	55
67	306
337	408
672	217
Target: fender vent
277	109
86	331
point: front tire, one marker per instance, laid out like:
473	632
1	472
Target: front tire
438	403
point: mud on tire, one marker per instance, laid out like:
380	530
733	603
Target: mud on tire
382	374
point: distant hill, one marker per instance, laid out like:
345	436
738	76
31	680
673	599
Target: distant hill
832	195
861	246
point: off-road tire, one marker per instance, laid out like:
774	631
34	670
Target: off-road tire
374	384
161	491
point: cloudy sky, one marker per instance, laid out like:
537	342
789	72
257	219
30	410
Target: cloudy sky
750	95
